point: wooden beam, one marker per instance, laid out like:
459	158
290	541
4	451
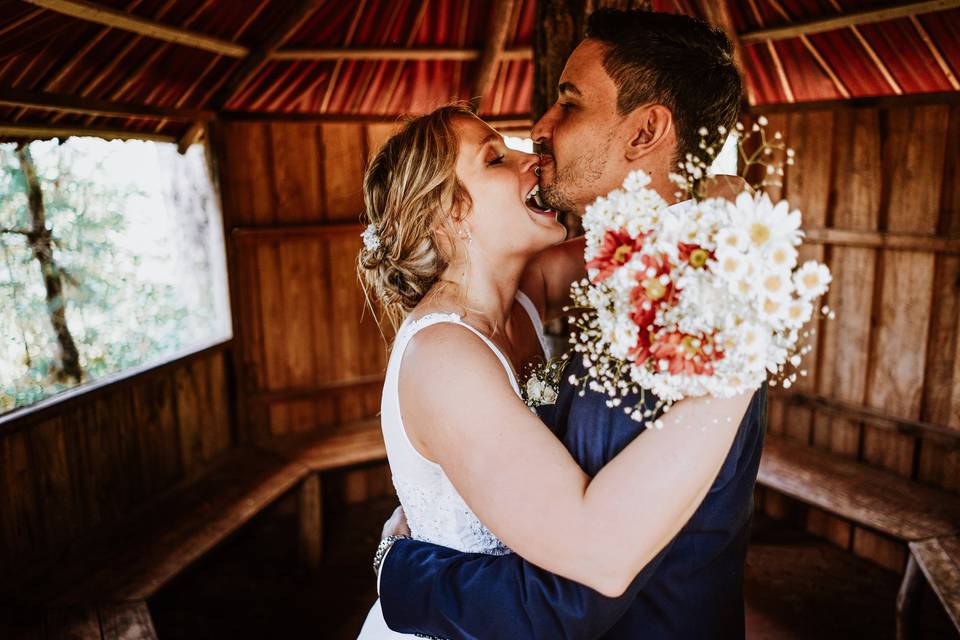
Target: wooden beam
833	23
718	14
192	135
492	51
247	70
774	56
90	106
502	122
935	52
885	240
44	131
395	53
93	12
947	436
872	102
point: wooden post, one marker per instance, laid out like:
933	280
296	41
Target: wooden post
311	521
559	28
493	51
907	598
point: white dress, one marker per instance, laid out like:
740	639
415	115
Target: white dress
435	511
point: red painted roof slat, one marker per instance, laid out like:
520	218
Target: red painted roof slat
46	51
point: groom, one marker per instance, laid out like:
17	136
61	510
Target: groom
633	95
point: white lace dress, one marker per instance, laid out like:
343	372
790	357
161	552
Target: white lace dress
435	511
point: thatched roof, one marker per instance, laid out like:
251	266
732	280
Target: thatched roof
161	67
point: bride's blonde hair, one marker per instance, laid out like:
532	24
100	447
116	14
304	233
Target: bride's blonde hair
412	198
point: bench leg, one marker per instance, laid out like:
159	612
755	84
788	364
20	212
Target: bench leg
311	521
907	599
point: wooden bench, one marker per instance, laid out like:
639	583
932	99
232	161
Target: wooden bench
873	499
353	444
100	589
939	561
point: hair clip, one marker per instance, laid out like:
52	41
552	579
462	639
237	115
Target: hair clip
371	239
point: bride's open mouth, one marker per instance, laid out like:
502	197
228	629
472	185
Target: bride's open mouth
536	204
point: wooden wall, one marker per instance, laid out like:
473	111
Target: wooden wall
81	464
879	192
309	353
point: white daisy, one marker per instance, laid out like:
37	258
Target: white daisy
812	279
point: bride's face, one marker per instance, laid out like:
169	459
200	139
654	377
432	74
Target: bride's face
504	218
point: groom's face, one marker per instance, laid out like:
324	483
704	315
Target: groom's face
579	135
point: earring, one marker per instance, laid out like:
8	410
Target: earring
466	235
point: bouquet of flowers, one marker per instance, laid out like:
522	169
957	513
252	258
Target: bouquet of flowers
682	302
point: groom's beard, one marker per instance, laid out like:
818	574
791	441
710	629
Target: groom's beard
575	185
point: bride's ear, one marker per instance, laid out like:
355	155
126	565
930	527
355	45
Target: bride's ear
650	127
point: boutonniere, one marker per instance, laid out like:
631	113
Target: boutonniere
543	382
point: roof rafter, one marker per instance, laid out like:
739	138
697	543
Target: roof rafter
396	53
833	23
99	14
93	107
812	49
774	55
935	52
718	14
41	131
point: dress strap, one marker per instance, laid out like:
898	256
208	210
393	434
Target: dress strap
454	318
531	310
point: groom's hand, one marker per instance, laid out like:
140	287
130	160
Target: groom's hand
396	525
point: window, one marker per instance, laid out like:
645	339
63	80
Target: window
111	257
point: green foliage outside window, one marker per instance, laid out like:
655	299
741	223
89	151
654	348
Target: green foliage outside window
134	248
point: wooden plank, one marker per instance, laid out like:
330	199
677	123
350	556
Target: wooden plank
879	549
56	497
941	402
296	173
115	19
845	341
939	559
155	409
914	147
833	23
137	556
246	174
126	621
855	104
310	514
873	498
344	156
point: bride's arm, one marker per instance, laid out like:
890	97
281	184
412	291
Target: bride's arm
524	485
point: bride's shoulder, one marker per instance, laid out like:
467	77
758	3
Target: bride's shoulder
444	344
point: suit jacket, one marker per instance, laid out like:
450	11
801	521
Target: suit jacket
692	589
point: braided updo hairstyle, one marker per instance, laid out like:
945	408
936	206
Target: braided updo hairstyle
412	197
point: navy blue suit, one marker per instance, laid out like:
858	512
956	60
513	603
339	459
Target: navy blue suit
692	590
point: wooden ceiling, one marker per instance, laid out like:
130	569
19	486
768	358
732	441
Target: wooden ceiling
160	69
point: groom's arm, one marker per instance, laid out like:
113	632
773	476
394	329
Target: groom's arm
437	591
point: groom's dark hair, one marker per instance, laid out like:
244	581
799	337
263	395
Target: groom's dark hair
674	60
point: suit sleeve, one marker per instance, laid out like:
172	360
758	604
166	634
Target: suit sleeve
437	591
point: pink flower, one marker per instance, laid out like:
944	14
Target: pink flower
617	249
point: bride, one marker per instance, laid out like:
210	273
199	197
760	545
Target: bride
460	253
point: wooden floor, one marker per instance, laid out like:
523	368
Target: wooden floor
797	587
